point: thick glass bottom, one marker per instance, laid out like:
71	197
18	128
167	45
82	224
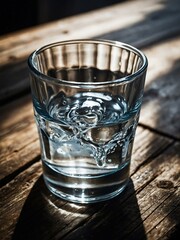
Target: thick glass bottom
86	195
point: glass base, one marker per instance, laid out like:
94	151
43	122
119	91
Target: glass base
79	195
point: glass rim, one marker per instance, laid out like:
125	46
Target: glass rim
122	80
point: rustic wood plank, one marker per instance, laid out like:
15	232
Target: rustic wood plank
162	99
147	145
167	228
17	140
152	195
27	195
150	21
155	203
18	149
19	143
16	115
14	79
14	163
162	193
13	197
17	45
155	26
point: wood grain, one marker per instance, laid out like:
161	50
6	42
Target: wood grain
150	199
18	45
15	115
149	208
161	102
13	196
143	28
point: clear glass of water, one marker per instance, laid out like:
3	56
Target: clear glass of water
87	96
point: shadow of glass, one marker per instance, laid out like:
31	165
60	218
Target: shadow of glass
45	216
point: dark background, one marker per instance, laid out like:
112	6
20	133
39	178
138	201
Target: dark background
18	14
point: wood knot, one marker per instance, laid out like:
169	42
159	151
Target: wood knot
165	184
65	32
12	57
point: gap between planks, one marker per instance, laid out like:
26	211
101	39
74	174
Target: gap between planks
18	171
159	132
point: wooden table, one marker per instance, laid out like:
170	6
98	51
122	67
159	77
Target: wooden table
149	207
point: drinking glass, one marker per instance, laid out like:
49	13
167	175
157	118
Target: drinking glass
87	96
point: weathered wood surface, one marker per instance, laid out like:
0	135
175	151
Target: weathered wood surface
29	211
149	208
162	91
137	22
